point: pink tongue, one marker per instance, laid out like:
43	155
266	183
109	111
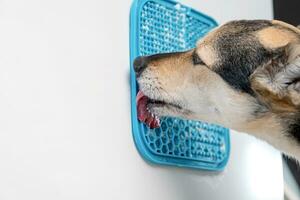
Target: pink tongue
143	113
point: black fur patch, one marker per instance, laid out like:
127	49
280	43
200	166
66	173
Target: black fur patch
294	128
240	53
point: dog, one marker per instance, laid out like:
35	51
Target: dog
244	75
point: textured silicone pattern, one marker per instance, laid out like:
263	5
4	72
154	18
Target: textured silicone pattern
187	139
165	26
168	29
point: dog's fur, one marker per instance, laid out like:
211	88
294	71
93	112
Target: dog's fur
244	75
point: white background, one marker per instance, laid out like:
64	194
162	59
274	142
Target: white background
65	129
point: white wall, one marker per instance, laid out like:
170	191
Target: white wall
65	129
224	11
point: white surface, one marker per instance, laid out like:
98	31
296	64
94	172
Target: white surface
65	129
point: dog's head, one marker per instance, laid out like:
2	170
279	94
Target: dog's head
237	73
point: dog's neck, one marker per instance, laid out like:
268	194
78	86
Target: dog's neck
269	129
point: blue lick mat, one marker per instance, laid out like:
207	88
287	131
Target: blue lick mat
158	26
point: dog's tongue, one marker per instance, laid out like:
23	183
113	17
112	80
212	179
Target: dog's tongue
144	115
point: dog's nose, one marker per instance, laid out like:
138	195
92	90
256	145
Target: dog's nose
139	64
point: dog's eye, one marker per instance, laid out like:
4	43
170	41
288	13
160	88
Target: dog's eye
197	60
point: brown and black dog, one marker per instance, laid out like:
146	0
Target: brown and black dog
244	75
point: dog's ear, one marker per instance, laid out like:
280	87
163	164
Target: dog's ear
277	83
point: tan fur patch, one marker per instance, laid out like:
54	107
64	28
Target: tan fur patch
274	38
164	68
207	54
